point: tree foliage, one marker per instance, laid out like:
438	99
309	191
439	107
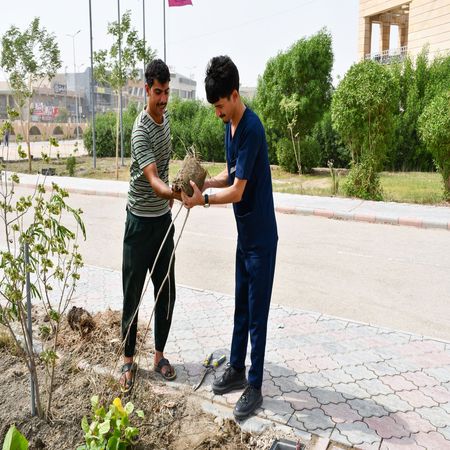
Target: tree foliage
105	132
332	149
36	225
194	123
363	111
108	69
28	58
301	78
434	126
407	151
115	68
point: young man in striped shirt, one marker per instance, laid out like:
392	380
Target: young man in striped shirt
149	219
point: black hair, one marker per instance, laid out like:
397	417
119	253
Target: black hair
157	70
222	78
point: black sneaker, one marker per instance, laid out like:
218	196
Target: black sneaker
230	380
249	401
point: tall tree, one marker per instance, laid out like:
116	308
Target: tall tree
28	58
408	152
115	72
434	126
295	89
362	111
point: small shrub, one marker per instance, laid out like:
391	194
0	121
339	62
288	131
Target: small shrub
71	163
285	155
110	430
310	152
363	181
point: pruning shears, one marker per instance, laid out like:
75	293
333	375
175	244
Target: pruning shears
209	364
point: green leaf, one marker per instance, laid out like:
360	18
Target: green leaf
14	440
85	424
94	401
140	413
113	443
104	427
129	408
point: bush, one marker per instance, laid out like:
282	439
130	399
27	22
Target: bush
182	114
105	132
71	163
285	155
331	146
194	123
309	154
363	181
434	126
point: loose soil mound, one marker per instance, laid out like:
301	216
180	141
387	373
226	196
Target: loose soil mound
173	419
190	170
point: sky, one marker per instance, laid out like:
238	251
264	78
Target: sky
249	31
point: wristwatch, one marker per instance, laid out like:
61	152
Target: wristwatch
206	198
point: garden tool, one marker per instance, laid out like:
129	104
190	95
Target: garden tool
209	364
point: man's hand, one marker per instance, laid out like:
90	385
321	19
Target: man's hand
196	199
176	195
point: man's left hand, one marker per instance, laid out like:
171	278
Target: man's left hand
196	199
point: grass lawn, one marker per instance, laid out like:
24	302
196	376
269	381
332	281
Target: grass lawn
409	187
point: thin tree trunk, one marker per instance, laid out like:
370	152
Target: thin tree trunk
28	127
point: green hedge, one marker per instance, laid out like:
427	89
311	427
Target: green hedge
105	132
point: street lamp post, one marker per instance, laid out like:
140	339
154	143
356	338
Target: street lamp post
75	80
120	89
94	152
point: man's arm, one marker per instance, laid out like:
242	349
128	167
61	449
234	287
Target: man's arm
161	189
219	181
230	194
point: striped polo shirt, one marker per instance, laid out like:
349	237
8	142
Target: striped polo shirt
150	143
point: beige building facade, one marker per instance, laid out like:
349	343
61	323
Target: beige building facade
416	23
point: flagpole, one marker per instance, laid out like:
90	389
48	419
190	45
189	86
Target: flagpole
164	15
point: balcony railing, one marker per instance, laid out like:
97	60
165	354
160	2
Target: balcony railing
389	56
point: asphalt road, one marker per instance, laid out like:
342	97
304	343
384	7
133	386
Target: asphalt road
392	276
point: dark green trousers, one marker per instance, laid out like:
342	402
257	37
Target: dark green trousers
141	243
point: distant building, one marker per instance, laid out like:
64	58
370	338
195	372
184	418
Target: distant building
67	97
417	23
182	86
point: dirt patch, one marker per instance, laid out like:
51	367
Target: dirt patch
173	418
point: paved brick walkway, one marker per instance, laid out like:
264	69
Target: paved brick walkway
356	384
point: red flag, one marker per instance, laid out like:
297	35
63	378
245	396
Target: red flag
180	2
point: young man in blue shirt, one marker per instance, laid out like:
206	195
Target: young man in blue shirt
247	183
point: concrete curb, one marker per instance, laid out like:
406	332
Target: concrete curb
368	218
102	188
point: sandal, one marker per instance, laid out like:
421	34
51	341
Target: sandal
169	374
128	367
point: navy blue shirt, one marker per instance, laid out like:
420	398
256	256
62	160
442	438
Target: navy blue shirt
248	159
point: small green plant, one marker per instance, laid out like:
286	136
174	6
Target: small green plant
15	440
110	429
363	181
334	178
71	163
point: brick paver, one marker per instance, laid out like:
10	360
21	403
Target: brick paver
359	385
